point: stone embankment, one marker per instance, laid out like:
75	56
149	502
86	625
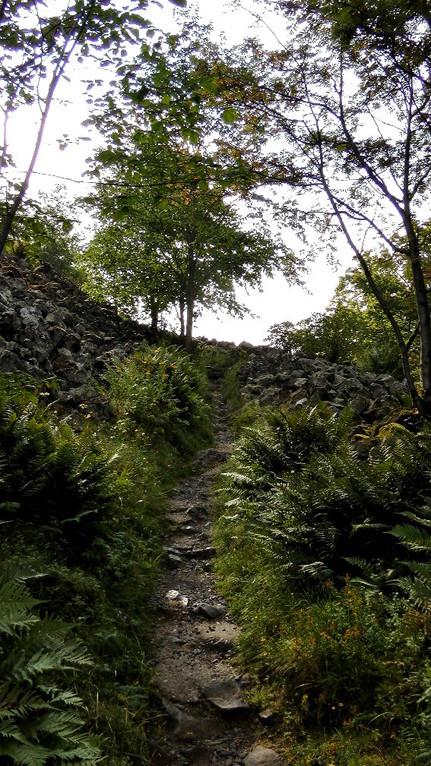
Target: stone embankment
49	328
273	376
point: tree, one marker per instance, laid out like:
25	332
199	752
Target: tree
334	334
346	103
119	266
171	203
353	328
169	237
42	231
38	44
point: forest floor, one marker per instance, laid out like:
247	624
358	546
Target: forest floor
204	717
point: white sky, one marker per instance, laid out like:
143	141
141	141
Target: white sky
277	302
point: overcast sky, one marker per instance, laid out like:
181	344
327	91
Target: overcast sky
277	302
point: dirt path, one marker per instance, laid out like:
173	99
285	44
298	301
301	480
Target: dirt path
205	720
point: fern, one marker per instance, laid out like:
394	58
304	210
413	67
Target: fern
316	507
41	462
40	722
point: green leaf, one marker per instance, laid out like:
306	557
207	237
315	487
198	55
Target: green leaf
229	116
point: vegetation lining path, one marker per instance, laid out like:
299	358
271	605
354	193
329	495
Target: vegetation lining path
205	720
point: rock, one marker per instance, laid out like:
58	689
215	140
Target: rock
173	561
271	375
226	696
190	728
262	756
301	403
212	611
174	596
58	330
200	553
267	716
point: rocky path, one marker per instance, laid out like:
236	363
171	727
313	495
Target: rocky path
204	720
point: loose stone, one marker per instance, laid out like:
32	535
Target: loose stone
226	696
211	611
262	756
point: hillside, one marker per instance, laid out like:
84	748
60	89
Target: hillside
304	612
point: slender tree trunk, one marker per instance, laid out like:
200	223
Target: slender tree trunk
418	401
64	57
189	323
190	296
182	323
424	323
154	313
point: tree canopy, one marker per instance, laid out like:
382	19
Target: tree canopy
168	236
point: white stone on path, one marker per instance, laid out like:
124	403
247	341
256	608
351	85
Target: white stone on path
262	756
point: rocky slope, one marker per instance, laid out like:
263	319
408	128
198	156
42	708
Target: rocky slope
272	376
51	329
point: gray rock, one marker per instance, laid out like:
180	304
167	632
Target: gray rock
175	597
212	611
267	716
173	561
189	728
262	756
200	553
226	696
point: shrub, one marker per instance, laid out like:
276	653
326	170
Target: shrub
315	541
161	393
318	508
51	475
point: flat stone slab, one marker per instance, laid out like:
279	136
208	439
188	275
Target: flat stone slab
262	756
226	696
219	636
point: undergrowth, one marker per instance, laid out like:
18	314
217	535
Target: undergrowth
81	513
324	555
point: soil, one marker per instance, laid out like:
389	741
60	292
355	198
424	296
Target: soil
204	717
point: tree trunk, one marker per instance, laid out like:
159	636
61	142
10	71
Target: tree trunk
64	57
190	296
154	313
424	322
182	323
189	324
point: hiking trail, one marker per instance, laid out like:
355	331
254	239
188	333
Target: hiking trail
204	718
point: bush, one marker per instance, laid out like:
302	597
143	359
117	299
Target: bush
51	475
162	394
324	555
85	507
319	509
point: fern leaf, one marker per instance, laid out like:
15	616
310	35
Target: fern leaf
15	606
416	539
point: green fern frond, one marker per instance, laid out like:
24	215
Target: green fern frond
413	537
15	607
40	721
418	591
